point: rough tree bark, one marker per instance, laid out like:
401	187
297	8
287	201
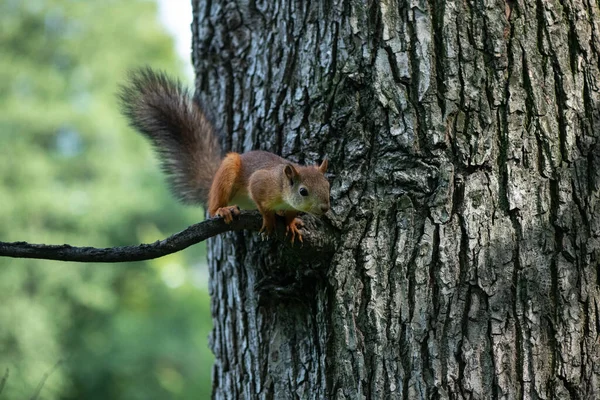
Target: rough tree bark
462	138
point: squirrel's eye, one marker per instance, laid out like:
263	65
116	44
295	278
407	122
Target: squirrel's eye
303	191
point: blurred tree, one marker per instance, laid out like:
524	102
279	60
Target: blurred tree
71	171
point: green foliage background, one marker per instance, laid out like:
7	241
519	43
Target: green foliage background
71	171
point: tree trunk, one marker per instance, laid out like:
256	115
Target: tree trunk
462	139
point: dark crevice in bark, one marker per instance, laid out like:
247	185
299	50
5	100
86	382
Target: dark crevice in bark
333	83
238	301
598	284
361	323
488	46
543	147
376	34
216	383
330	350
451	135
562	123
427	368
461	60
516	286
437	9
572	42
503	201
584	345
405	357
468	137
413	88
202	43
571	387
597	321
412	267
393	324
590	112
511	11
315	331
590	174
560	95
361	318
468	22
444	351
458	208
268	390
553	315
305	113
255	11
483	314
493	373
229	107
394	68
264	368
541	28
369	127
581	208
586	319
594	39
433	268
393	225
504	204
393	222
268	79
367	391
462	364
287	79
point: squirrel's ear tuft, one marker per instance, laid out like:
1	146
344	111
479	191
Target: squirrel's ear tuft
323	166
290	172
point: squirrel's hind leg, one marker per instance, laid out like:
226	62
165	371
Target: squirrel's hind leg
224	185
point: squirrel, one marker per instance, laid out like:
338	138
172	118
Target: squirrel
163	111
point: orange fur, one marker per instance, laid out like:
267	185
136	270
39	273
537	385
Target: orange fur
225	183
263	189
164	111
272	185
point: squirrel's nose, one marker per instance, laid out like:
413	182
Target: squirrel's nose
324	208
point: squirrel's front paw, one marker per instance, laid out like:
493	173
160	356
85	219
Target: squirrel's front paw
292	227
228	213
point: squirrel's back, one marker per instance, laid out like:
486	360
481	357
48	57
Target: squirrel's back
163	110
258	159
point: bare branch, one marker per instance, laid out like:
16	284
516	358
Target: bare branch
3	381
319	239
40	385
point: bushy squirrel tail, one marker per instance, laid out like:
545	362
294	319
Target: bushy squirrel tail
163	111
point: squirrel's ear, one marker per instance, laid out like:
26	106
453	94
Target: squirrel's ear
323	166
290	172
